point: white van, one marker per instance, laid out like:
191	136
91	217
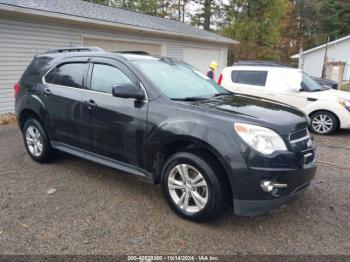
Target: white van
328	109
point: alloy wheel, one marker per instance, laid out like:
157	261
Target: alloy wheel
322	123
188	188
34	141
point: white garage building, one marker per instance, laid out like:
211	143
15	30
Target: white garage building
337	60
31	27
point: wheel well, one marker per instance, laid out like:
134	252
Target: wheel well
25	114
330	112
188	146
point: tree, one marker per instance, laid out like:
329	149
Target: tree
257	25
334	18
208	14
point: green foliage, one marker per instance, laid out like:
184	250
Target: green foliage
334	18
266	29
256	24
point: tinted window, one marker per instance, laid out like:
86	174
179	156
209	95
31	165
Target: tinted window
71	75
308	84
257	78
104	77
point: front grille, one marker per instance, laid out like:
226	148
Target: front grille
299	134
301	144
300	140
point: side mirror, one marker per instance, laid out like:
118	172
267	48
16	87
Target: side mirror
128	91
303	87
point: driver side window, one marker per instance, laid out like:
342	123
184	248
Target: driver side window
104	77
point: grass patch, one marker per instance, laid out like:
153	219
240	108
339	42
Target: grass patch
7	119
345	87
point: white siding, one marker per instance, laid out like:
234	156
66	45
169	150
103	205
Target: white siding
174	50
19	43
22	38
340	52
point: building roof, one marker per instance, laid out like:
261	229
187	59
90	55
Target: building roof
117	16
321	46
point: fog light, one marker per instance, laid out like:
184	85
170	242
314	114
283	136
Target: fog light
268	185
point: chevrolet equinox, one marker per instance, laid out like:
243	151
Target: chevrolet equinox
163	121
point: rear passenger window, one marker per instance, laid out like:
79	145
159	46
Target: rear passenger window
104	77
71	75
257	78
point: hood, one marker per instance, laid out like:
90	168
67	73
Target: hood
255	110
330	95
338	93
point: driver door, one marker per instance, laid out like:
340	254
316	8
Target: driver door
118	125
286	88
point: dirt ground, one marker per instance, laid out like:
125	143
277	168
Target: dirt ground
96	210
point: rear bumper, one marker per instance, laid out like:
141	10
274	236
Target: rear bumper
259	207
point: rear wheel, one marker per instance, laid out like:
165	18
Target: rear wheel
192	187
36	141
324	123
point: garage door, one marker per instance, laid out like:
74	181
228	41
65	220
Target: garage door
202	57
114	45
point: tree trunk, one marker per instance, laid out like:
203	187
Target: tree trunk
207	14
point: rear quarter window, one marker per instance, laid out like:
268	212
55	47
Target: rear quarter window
36	69
257	78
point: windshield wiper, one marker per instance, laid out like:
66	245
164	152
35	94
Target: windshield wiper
222	94
192	98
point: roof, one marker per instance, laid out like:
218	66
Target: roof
117	16
322	46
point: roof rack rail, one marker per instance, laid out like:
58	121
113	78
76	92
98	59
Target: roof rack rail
75	49
133	52
259	63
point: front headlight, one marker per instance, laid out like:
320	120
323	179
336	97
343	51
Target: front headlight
345	103
263	140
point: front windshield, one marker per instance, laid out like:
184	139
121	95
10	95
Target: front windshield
178	80
310	85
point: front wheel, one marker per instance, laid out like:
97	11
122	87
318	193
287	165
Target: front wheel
192	187
323	123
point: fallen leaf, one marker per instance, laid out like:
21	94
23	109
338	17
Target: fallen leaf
25	226
51	191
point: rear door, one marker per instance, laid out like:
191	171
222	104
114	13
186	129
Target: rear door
118	125
63	95
249	82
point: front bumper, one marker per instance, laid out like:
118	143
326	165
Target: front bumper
259	207
292	169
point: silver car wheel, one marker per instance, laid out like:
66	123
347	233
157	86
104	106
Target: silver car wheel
322	124
188	188
34	141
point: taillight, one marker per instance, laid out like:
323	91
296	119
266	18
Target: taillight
16	89
220	79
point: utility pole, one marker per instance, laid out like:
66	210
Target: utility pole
325	60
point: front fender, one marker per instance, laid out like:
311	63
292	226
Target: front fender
216	139
333	107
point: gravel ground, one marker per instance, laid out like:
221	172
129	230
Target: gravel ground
95	210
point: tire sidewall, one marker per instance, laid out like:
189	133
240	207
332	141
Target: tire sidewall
46	145
334	119
209	175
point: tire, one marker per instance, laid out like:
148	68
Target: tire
205	202
323	123
36	141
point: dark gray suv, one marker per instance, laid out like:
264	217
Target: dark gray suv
163	121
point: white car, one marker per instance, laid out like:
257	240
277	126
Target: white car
328	109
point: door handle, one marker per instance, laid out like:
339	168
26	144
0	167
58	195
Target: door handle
90	104
47	91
